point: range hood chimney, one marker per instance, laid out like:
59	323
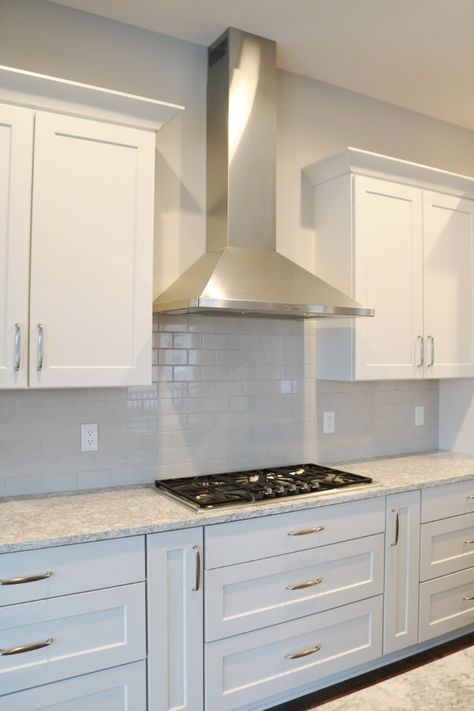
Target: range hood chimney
241	271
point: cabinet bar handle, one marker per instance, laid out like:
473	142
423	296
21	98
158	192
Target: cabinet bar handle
40	356
419	339
197	580
302	586
26	647
305	653
397	527
306	531
468	597
27	579
17	363
469	540
431	340
470	496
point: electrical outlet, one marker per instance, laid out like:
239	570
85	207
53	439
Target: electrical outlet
89	438
329	422
419	415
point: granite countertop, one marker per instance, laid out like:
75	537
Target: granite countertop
39	521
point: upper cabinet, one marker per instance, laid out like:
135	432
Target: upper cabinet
76	234
399	238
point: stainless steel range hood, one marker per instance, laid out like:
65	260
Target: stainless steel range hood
241	271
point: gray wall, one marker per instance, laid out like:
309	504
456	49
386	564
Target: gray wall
39	432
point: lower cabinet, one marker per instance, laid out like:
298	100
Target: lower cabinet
402	563
249	668
118	689
175	621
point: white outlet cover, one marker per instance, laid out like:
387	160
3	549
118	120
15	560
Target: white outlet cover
419	415
329	422
89	438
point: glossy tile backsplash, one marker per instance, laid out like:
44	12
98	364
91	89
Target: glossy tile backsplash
228	393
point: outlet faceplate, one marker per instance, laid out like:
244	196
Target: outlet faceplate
329	422
89	438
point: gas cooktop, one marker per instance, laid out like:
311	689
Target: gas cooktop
258	485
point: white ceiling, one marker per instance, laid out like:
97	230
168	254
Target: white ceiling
415	53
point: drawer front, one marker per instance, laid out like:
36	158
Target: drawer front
445	604
447	500
119	689
244	597
50	572
252	667
241	541
90	631
447	546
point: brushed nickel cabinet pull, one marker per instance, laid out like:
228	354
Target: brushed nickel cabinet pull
40	355
431	340
302	586
468	597
305	653
397	527
27	579
470	496
26	647
197	580
17	363
469	540
306	531
419	339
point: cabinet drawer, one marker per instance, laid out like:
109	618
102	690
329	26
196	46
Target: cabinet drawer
444	605
119	689
71	569
447	546
255	666
241	541
90	631
244	597
447	500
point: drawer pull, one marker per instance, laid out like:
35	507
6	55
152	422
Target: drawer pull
306	531
27	579
468	597
470	496
306	653
302	586
469	540
26	647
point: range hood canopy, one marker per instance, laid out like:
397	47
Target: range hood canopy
241	271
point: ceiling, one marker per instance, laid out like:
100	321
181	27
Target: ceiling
415	53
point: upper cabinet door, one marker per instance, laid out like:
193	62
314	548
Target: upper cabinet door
388	277
16	155
449	285
92	242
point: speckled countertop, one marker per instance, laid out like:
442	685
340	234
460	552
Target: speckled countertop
39	521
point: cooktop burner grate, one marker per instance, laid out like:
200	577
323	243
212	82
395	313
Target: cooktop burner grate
257	485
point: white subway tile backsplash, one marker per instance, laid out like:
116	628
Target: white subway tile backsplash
228	393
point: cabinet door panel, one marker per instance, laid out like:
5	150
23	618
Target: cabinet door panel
91	253
449	285
16	156
402	562
388	269
175	621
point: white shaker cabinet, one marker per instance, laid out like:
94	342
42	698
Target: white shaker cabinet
85	274
16	151
91	251
402	562
398	237
175	620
